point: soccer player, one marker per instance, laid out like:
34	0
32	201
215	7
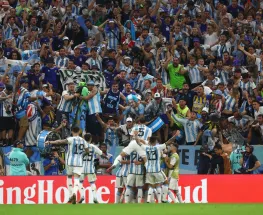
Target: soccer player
144	133
121	178
89	168
135	177
77	147
173	165
154	176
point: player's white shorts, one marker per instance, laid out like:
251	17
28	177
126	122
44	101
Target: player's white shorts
133	146
135	180
121	182
71	170
173	184
155	178
91	177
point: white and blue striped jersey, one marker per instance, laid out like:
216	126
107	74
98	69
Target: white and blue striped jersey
223	75
240	123
191	128
123	169
111	137
230	103
136	169
154	155
26	54
94	104
76	150
194	74
61	61
65	105
144	131
113	38
248	86
88	160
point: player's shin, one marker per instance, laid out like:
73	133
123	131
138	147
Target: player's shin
139	195
76	186
118	196
171	195
81	189
164	192
69	185
150	193
159	194
127	194
94	191
178	194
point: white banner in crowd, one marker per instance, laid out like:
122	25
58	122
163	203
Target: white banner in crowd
67	76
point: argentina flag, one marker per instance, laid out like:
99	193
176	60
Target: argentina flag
156	124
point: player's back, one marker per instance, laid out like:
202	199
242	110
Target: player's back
144	131
76	149
154	154
88	160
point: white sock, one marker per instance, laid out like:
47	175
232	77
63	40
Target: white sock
117	160
127	195
81	189
76	186
171	195
150	194
159	194
118	197
69	184
179	197
164	192
145	196
131	196
139	195
94	191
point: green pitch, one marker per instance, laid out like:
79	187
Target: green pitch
134	209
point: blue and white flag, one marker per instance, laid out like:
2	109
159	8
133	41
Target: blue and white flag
156	124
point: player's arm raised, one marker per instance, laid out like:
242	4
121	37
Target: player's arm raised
57	142
172	139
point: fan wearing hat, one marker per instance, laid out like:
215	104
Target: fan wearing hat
18	160
7	124
157	108
134	107
125	64
77	57
67	45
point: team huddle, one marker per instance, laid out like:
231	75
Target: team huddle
147	171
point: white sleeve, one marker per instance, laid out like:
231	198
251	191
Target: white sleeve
65	92
69	139
230	119
173	161
161	147
86	145
150	132
97	150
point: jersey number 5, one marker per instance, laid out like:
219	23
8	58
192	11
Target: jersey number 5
141	132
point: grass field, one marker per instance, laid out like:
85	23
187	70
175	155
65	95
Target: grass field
134	209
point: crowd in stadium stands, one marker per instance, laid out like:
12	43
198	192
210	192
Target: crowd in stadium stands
104	66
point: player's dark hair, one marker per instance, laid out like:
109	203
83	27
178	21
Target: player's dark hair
75	129
218	147
88	137
153	139
103	144
142	120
